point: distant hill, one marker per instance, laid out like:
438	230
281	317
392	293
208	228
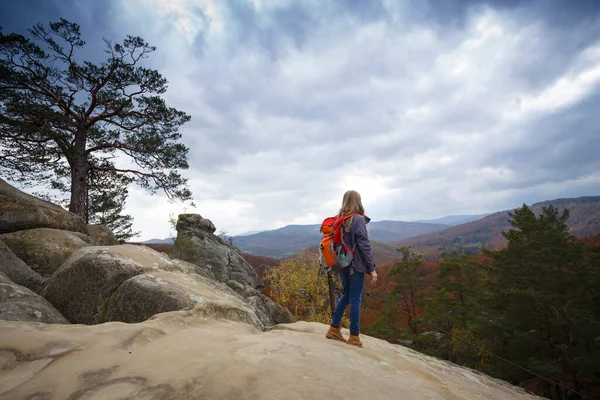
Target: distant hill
159	241
279	243
584	221
454	220
292	239
248	233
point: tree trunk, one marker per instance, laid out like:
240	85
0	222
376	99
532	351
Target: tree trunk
79	177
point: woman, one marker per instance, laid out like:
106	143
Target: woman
353	277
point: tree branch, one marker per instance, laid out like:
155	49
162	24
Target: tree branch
115	145
96	89
130	171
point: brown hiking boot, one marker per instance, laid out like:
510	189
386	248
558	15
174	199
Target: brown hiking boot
335	333
354	341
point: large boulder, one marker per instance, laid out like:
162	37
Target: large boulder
203	353
101	235
19	211
44	249
143	296
17	303
197	244
82	286
17	271
194	223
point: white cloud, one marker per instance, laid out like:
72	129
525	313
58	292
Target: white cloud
412	118
464	111
567	90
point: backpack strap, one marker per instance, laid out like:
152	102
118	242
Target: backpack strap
344	245
353	248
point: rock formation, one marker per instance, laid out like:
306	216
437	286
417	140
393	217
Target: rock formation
82	287
143	296
197	243
215	351
17	271
44	249
101	235
152	327
20	211
91	279
17	303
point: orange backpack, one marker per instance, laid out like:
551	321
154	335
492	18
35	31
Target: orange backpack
333	252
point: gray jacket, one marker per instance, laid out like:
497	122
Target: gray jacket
359	239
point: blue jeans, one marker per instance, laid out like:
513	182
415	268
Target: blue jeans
352	295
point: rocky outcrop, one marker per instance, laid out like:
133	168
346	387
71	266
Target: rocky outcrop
17	303
143	296
197	244
101	235
17	271
44	249
194	224
92	279
211	352
83	285
20	211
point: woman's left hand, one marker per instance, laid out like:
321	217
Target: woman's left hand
373	277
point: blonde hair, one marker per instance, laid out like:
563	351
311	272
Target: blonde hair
351	203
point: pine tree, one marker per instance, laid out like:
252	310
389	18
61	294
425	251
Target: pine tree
107	194
543	290
454	308
58	112
106	198
389	323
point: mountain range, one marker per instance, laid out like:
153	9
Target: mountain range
454	220
584	220
429	237
292	239
159	241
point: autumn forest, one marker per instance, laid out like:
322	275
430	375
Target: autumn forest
528	313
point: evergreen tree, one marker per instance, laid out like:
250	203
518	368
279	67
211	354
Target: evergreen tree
454	307
543	290
107	195
57	112
389	322
402	305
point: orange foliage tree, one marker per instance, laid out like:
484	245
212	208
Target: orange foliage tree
300	285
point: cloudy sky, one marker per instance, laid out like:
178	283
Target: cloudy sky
427	108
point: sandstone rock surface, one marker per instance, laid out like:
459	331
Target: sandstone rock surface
143	296
269	312
197	244
82	286
101	235
194	223
17	303
17	271
44	249
195	355
20	211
